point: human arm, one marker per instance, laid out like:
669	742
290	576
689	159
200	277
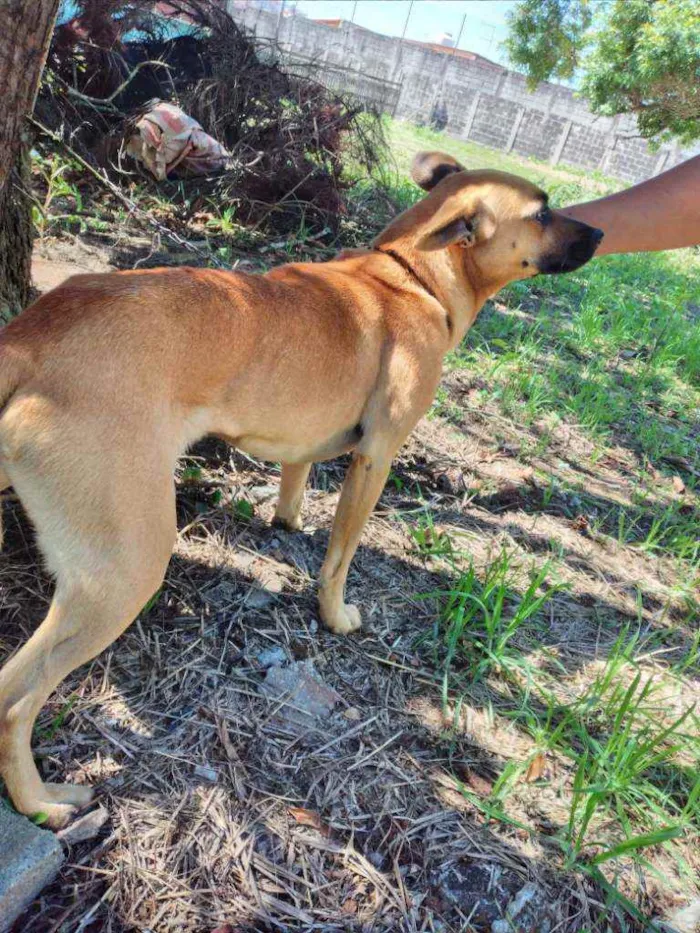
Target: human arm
661	213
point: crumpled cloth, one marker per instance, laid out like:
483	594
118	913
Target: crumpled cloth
166	138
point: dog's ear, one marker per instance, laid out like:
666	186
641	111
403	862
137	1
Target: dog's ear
465	221
428	168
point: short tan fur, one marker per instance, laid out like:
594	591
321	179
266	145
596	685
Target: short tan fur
106	380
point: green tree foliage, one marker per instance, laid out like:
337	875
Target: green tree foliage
547	37
633	56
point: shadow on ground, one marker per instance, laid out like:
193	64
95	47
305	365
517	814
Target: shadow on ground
221	811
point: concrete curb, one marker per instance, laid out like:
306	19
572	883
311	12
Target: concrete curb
30	858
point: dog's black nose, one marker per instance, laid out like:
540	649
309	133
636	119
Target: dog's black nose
596	236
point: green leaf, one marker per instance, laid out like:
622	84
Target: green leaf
191	474
243	509
638	842
151	602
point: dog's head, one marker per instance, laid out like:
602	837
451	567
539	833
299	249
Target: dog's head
502	222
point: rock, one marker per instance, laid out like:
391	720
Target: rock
259	599
87	827
271	579
262	493
30	858
479	890
243	560
206	773
269	583
270	656
685	920
530	911
306	697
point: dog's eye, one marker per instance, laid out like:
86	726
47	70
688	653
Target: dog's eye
543	217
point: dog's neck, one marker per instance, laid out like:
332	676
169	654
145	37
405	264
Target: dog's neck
442	276
412	271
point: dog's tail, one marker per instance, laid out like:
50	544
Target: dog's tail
13	370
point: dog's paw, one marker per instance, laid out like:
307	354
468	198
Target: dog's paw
55	805
294	523
60	804
58	815
342	620
52	815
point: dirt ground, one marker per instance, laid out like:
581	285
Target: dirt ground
227	810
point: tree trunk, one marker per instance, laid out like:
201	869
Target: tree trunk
25	34
15	239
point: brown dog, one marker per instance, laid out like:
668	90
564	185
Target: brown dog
105	381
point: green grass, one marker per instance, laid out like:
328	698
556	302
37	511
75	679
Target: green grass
614	346
479	619
610	357
406	140
59	193
626	769
428	540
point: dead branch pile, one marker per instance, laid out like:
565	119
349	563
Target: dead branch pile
290	138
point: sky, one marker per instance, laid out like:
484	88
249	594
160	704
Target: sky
484	26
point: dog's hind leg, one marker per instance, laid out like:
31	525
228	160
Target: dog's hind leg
288	511
106	570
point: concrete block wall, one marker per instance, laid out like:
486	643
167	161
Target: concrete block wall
539	134
493	121
484	101
585	147
461	102
631	159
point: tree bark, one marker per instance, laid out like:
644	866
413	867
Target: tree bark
25	34
16	236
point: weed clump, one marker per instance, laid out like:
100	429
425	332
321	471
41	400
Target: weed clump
291	139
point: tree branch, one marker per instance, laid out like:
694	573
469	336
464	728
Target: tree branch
107	101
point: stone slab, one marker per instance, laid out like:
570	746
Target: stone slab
30	858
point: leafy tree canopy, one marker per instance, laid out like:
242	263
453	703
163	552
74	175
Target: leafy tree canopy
633	56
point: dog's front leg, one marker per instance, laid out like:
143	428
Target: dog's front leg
362	487
288	511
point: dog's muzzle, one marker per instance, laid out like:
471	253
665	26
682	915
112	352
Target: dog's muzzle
575	255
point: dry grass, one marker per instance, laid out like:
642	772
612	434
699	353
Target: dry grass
428	799
220	811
